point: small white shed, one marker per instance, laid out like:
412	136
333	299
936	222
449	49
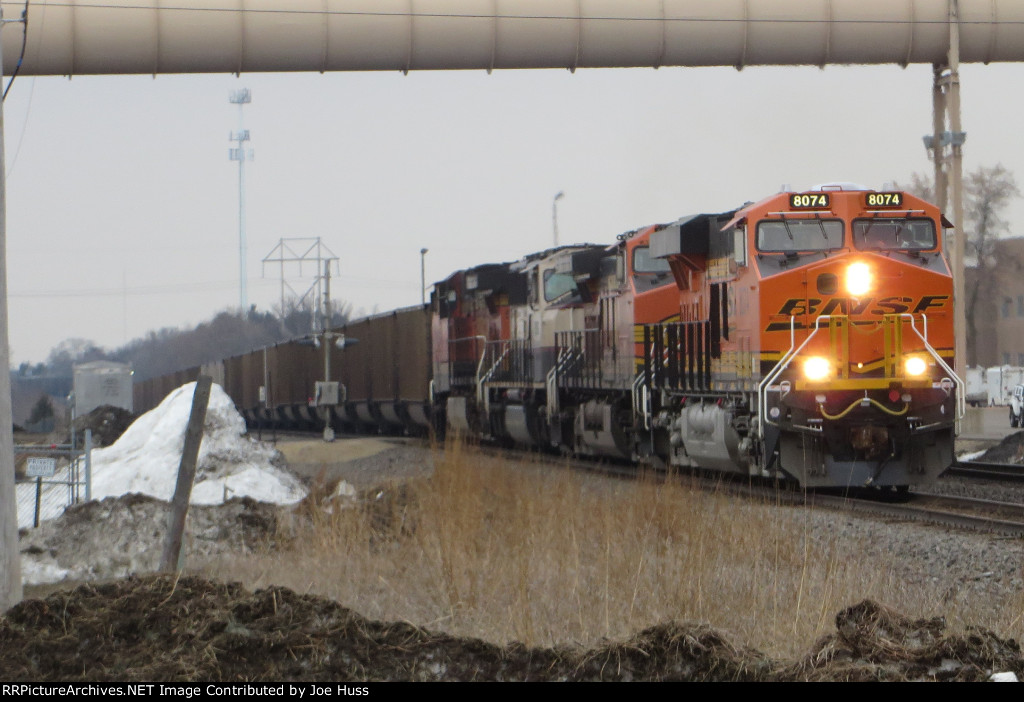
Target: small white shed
101	383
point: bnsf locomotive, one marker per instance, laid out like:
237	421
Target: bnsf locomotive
807	337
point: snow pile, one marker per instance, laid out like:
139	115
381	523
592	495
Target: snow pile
121	530
146	457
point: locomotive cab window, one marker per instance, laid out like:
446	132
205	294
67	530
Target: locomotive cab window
739	251
797	235
649	272
894	234
557	285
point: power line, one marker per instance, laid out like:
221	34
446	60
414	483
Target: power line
21	54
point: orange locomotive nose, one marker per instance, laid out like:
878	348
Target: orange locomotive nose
823	330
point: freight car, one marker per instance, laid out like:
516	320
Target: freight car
807	337
373	375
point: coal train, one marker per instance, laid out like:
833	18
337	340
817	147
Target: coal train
807	337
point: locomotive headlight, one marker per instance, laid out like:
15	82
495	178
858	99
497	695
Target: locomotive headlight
915	366
858	279
817	368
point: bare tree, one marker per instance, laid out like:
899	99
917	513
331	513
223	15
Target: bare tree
920	185
988	190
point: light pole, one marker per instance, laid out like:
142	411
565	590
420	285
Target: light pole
554	213
423	276
241	154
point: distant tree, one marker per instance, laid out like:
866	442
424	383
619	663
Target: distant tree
228	333
988	191
43	409
299	316
67	353
920	185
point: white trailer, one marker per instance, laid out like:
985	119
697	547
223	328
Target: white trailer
977	388
1000	381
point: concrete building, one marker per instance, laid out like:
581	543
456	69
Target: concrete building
997	310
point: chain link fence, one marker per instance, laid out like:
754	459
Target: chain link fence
50	478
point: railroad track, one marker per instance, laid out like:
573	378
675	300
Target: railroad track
962	513
987	471
938	510
965	513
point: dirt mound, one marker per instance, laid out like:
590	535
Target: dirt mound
117	536
1009	450
106	422
874	643
159	628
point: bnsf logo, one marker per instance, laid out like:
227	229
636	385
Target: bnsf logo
797	307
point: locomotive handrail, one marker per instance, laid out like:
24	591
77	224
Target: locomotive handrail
961	386
762	415
641	393
641	396
483	351
564	354
762	389
482	377
782	364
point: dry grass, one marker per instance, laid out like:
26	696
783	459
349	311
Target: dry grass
504	552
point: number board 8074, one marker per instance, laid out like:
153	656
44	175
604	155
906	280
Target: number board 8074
801	201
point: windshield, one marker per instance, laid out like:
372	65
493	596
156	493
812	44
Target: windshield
557	284
799	235
643	262
649	272
894	234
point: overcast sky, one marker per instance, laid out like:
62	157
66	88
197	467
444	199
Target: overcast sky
123	204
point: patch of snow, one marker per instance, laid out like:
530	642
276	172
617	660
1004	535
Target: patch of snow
38	570
146	458
1003	677
971	455
344	489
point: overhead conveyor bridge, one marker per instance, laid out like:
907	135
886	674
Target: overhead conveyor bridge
79	37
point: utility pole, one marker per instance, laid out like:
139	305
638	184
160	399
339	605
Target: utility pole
240	153
957	193
326	322
326	343
10	563
945	147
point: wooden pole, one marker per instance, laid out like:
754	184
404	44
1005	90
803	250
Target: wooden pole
10	558
171	560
